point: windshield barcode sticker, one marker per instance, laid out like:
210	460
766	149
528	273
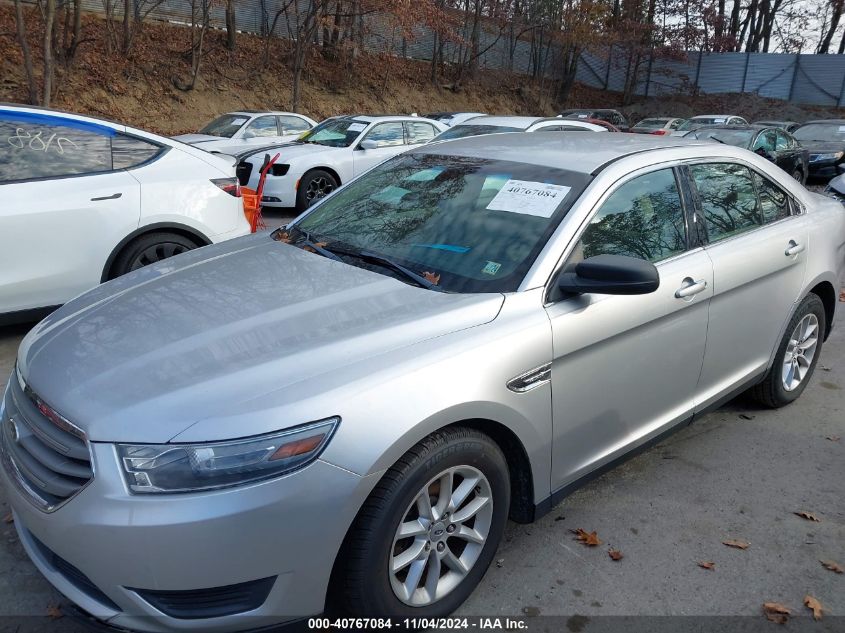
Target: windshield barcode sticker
529	198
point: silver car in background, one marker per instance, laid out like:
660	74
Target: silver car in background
352	406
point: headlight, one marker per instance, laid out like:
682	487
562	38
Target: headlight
167	468
815	158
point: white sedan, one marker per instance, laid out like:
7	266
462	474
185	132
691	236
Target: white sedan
237	131
331	154
86	200
500	124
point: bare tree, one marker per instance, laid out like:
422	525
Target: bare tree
48	60
20	25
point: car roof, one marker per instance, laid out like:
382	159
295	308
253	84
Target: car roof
253	112
725	126
574	151
372	118
772	122
831	121
506	121
713	116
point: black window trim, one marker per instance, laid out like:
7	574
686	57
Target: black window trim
164	149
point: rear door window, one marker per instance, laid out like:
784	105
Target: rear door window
774	202
727	198
34	146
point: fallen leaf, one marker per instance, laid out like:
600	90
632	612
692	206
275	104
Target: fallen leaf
54	612
560	518
811	603
282	236
842	295
587	538
737	543
432	277
832	566
707	564
615	554
9	518
833	438
776	612
807	515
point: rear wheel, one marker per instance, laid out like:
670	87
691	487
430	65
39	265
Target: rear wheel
425	537
149	249
796	356
314	185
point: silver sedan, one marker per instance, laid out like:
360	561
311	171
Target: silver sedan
355	404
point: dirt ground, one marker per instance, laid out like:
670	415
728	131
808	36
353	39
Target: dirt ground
140	91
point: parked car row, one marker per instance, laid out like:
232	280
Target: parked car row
352	406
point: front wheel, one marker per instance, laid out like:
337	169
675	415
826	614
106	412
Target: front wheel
427	533
313	186
796	356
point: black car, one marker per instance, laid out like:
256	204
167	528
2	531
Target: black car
789	126
773	143
614	117
825	142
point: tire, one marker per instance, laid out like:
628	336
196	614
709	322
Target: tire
149	249
773	391
314	185
367	586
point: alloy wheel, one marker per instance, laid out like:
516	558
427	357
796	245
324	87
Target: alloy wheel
800	352
318	187
440	536
156	253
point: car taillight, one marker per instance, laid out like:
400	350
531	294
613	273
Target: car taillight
229	185
659	132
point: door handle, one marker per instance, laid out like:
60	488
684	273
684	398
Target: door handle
794	248
114	196
691	287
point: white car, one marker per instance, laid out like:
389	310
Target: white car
86	200
499	124
331	154
237	131
453	118
707	119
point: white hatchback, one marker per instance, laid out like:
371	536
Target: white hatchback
87	200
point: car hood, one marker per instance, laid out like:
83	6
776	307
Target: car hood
291	151
822	147
144	357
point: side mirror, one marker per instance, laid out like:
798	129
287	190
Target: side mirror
368	144
612	275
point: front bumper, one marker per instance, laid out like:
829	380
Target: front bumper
289	529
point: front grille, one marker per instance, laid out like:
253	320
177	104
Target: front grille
45	454
214	602
73	575
243	171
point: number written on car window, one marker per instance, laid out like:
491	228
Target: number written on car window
40	142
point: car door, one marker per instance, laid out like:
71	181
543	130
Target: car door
64	208
262	130
789	157
626	367
388	138
757	241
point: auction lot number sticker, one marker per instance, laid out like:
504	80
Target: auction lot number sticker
529	198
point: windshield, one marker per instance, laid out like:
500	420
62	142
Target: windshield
335	132
820	132
691	124
463	131
225	125
474	225
652	123
740	138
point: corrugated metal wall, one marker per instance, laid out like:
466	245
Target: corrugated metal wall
812	79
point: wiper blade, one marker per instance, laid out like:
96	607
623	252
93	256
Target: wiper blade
389	263
317	247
